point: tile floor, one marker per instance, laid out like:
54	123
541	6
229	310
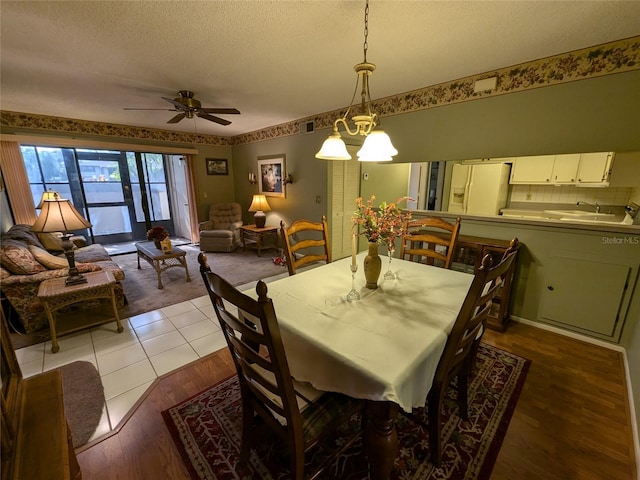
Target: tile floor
151	345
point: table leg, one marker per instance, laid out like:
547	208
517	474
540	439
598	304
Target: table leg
115	310
381	438
138	260
183	261
156	267
52	329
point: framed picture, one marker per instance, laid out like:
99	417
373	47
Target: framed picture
270	172
217	166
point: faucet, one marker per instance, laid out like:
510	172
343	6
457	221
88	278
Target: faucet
595	205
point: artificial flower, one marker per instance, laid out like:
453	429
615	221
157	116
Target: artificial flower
382	224
157	233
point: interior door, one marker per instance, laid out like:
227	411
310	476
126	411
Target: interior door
344	188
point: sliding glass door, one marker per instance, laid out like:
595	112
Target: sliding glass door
122	194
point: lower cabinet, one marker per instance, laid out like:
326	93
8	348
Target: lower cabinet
594	305
467	257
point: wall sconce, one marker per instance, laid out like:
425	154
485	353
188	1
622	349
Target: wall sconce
288	178
252	178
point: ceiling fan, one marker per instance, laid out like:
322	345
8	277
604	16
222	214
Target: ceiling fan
189	106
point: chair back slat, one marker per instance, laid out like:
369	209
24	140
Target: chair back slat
311	247
423	237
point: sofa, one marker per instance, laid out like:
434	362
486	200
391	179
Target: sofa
221	232
27	259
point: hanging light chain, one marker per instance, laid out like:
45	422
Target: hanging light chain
365	46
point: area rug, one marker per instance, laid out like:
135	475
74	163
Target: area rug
143	294
206	430
140	286
83	395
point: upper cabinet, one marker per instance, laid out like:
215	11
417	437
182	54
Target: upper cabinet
579	169
565	169
594	169
528	170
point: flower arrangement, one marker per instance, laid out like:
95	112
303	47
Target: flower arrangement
381	225
157	233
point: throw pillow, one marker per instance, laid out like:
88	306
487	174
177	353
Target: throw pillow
19	260
47	260
51	241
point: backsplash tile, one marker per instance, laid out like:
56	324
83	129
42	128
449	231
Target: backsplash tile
571	195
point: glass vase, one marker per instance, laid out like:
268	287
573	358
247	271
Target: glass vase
389	275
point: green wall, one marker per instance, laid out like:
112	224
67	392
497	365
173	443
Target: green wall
596	114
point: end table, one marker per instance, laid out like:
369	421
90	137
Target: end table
54	295
253	237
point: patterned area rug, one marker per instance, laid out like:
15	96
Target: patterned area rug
206	430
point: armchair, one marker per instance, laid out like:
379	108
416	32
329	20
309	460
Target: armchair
221	233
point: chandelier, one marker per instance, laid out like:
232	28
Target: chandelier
377	145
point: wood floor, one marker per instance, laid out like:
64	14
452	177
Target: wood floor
572	420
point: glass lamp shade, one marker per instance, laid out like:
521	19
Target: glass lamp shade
333	148
59	216
48	195
377	147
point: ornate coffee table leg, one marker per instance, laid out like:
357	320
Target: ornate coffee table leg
381	439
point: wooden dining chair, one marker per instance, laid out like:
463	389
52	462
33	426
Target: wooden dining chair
305	242
457	358
426	238
301	415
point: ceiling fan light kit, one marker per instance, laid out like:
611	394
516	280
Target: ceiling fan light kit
189	107
377	145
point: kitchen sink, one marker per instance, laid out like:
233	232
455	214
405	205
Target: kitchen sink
591	220
578	214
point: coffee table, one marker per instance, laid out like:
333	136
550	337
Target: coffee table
162	261
54	295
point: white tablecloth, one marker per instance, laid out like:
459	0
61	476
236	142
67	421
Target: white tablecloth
386	346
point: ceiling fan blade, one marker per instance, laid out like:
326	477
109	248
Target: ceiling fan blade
225	111
211	118
177	118
177	104
165	109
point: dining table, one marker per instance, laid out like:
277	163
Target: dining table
383	348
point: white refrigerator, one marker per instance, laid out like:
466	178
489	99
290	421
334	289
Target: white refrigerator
479	189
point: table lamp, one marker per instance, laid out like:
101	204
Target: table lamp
59	215
259	205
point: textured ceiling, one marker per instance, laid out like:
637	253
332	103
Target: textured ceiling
275	61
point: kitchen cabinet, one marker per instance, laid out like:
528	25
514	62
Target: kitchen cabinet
594	169
467	257
579	169
565	169
532	170
593	305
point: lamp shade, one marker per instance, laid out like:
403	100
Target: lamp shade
377	147
333	148
259	204
48	195
59	216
